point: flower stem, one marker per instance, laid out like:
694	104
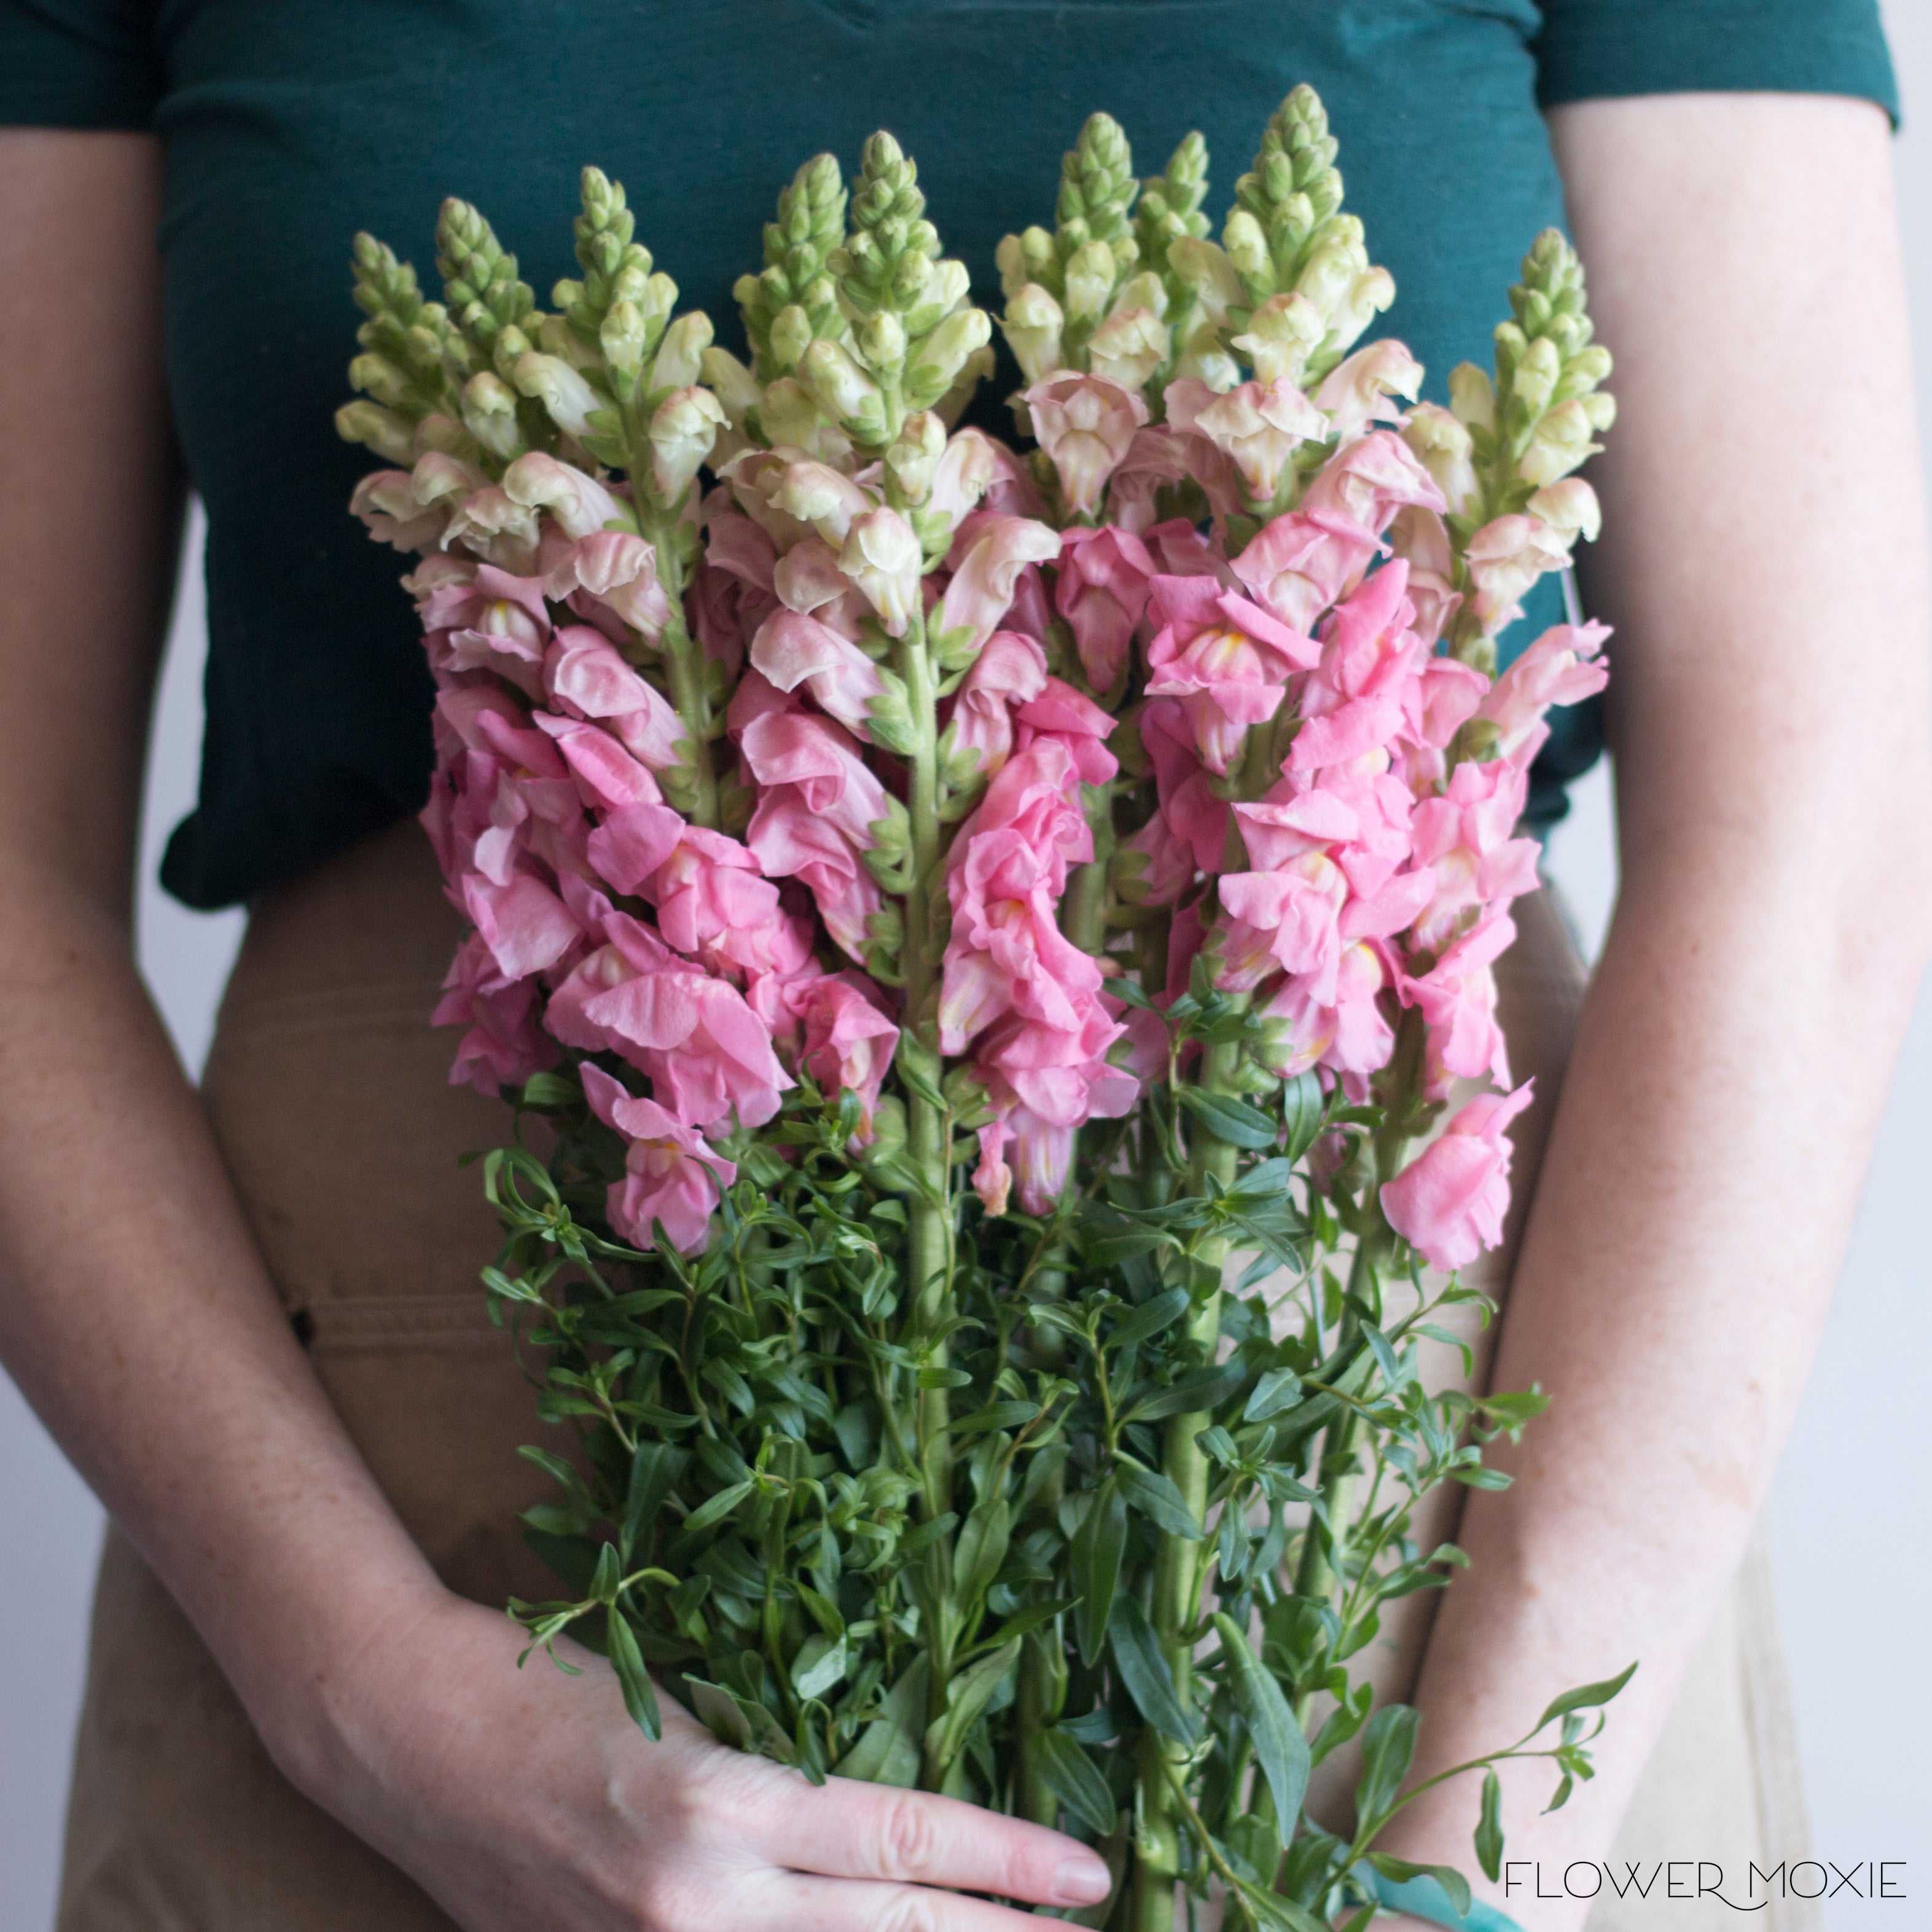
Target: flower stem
1177	1560
928	1149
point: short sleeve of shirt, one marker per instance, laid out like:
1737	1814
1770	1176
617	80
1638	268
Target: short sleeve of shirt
78	63
1589	49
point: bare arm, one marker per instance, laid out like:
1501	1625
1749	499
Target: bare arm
136	1316
1764	561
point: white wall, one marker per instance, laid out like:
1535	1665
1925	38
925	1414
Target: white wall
1851	1511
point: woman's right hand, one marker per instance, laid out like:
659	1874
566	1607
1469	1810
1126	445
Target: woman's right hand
522	1799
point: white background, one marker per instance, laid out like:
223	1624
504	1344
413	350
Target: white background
1851	1511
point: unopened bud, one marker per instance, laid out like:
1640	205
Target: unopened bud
882	342
490	414
391	436
790	337
1089	282
622	340
837	383
678	355
682	432
1472	397
1032	325
911	460
567	398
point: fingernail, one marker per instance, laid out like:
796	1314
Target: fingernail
1080	1882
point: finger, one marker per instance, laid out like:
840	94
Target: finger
846	1829
799	1903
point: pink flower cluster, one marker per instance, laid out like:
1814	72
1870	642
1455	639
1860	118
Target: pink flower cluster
1335	795
603	920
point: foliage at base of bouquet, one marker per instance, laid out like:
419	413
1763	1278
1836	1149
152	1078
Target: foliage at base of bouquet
975	942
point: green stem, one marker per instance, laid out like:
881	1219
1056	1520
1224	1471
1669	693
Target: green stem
927	1146
1177	1561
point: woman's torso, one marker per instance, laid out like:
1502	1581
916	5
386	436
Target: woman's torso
290	126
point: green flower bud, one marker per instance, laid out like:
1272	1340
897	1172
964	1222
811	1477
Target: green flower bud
1128	347
882	342
1247	247
567	398
838	384
684	342
1282	333
622	340
376	376
682	431
942	357
791	334
1532	383
1032	327
391	436
1472	397
891	835
1090	274
889	715
912	457
490	415
731	381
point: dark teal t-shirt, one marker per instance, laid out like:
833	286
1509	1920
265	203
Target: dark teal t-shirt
290	124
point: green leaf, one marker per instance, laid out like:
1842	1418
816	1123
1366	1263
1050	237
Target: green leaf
716	1508
1280	1748
604	1579
1144	1670
981	1549
656	1470
1150	1318
1154	1495
966	1697
1270	1909
1198	1393
639	1699
1278	1390
1073	1778
994	1415
1030	1618
819	1664
1111	1250
1097	1547
1228	1119
1301	1107
1586	1695
1387	1745
887	1752
1489	1827
1399	1871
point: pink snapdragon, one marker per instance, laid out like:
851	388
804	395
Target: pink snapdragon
708	1056
1562	666
1085	424
671	1178
1010	669
1449	1203
1225	658
989	554
1101	592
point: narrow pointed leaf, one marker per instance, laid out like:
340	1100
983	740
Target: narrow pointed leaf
1073	1777
639	1699
1280	1748
1144	1670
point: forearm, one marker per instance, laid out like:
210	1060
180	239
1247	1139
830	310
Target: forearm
1693	1208
1769	712
139	1320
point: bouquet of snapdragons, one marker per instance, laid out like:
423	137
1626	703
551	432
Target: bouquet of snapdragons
982	947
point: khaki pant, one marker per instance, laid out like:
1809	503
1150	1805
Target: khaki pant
328	1091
